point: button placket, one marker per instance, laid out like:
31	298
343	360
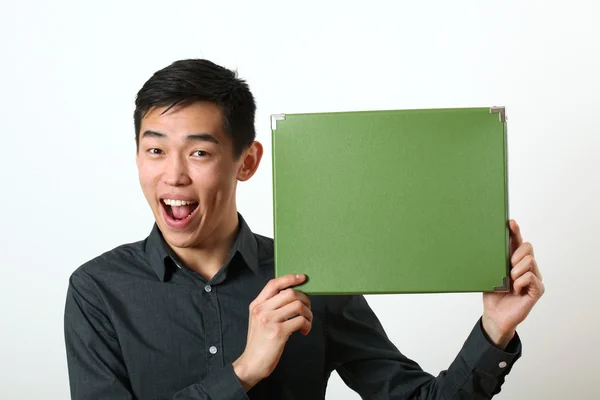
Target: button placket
212	327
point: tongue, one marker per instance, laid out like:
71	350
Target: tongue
181	212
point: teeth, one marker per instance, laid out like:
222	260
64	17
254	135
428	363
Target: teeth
177	203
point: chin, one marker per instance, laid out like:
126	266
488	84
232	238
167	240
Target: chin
179	240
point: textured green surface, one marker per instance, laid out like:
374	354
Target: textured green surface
407	201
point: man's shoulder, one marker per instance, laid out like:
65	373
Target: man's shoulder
263	241
122	259
265	249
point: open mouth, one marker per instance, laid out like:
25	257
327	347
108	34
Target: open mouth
179	210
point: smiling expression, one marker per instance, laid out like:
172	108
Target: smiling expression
188	171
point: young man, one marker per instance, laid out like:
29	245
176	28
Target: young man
193	311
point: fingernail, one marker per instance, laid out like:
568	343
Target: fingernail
297	276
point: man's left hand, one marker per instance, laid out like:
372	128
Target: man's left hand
502	312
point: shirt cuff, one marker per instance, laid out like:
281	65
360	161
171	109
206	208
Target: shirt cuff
480	353
224	384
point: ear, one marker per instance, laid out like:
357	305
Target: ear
137	158
250	160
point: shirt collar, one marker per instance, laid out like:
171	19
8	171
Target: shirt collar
161	257
246	245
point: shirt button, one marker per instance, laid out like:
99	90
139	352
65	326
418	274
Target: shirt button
207	288
502	364
212	350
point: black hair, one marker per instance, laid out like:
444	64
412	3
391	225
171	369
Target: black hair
187	81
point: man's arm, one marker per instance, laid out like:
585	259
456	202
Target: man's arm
95	361
369	363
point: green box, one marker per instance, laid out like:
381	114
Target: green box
392	201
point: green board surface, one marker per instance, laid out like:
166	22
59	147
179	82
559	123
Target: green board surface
392	201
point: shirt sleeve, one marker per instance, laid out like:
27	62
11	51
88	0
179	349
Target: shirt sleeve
95	361
370	364
221	385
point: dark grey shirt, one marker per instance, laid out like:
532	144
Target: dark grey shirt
139	325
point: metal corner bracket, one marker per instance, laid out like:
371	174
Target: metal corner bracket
275	118
501	112
504	287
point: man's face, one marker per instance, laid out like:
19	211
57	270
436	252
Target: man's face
188	171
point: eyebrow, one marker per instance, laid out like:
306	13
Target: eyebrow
194	137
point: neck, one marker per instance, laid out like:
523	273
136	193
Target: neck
208	258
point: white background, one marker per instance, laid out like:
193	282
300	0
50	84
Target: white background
70	70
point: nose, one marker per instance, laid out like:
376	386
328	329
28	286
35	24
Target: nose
176	173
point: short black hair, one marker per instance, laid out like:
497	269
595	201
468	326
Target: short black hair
188	81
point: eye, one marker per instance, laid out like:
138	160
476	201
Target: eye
155	151
200	153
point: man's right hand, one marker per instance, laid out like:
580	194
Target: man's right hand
275	314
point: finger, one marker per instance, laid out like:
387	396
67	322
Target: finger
274	286
291	310
524	250
528	263
516	240
285	297
538	287
522	282
531	282
535	287
299	323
